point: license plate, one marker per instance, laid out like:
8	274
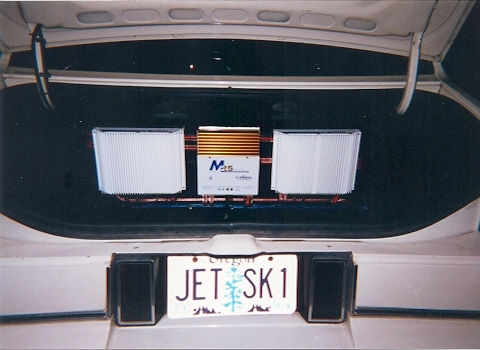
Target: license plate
214	286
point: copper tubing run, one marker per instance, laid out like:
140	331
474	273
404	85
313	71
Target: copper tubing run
283	198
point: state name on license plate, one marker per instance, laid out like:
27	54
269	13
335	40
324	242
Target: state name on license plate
215	286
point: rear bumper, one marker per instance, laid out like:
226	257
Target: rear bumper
290	331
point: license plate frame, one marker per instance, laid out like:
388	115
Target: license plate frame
204	285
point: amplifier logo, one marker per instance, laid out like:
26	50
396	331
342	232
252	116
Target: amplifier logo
219	173
221	166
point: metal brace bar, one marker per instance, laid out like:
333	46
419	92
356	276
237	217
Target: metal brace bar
17	76
451	90
412	73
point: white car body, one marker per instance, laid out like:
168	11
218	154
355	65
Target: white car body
420	289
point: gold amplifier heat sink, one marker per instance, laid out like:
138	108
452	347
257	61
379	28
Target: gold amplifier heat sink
228	141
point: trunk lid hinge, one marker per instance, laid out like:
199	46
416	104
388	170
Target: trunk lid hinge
41	71
411	74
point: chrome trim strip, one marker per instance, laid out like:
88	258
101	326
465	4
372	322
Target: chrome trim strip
411	312
55	316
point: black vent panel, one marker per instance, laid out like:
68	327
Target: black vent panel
140	289
326	287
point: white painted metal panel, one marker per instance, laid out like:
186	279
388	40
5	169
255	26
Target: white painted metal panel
285	331
234	332
414	333
30	286
291	331
83	334
321	22
314	161
418	282
140	161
